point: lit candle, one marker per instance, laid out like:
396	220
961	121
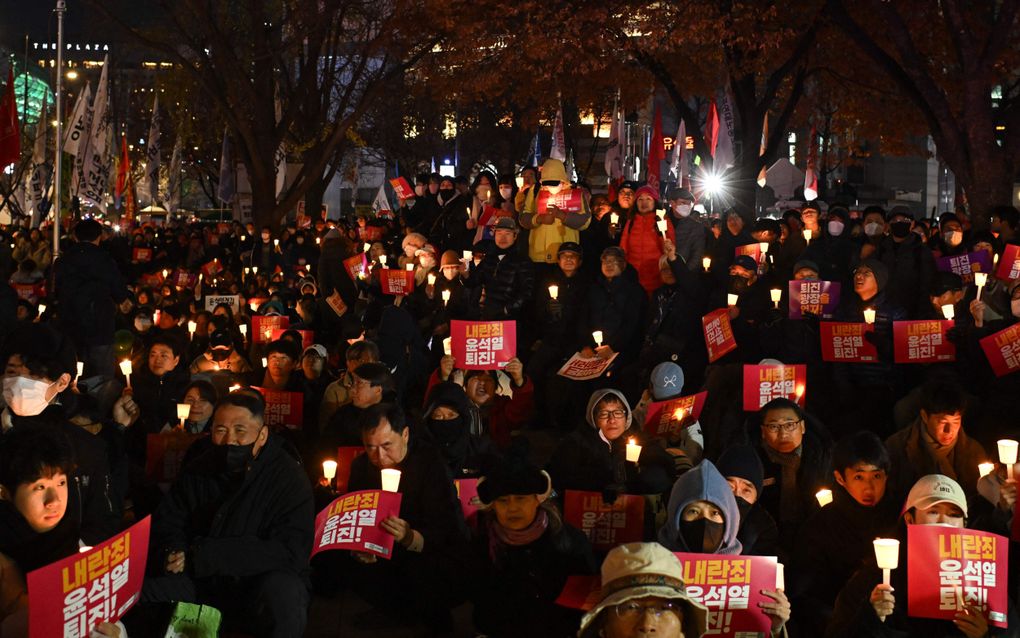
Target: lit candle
268	334
661	224
244	329
84	548
824	497
234	388
247	271
253	305
1007	455
706	262
125	368
554	292
780	576
614	219
308	268
366	247
731	299
409	267
466	255
807	235
255	269
244	238
446	297
329	470
432	279
984	469
192	327
276	242
776	294
597	336
390	479
980	279
869	315
660	213
633	451
448	346
165	273
948	311
318	240
265	362
81	369
183	412
382	260
887	555
520	182
42	308
763	246
678	415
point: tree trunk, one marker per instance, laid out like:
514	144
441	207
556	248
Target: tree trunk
313	199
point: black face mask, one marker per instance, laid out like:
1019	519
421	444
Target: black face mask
219	354
743	507
234	459
702	535
446	431
446	194
900	229
738	284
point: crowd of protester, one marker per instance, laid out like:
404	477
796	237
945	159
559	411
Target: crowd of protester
897	444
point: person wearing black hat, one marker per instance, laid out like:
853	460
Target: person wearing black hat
910	263
524	553
221	355
448	423
742	469
616	306
950	238
834	249
690	232
752	307
501	285
626	195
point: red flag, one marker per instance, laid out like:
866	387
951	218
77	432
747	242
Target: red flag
123	169
656	152
10	136
810	176
712	128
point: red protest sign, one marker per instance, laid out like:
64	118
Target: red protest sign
948	567
751	250
72	596
813	296
29	292
396	282
467	489
283	409
1009	263
762	383
212	268
164	453
336	302
1002	350
262	327
922	341
730	586
357	267
402	188
578	368
307	336
580	592
718	334
353	521
151	279
370	233
568	201
662	416
142	255
483	345
184	279
606	526
344	459
845	342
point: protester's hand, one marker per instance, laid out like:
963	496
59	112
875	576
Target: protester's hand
175	562
548	218
364	557
733	312
867	250
587	352
1007	494
883	601
399	529
971	622
515	369
430	291
446	367
778	610
470	224
604	352
107	630
126	411
977	310
669	248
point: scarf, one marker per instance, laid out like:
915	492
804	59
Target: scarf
789	499
942	454
501	537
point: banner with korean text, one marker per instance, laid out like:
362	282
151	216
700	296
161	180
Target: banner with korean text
846	343
815	297
762	383
664	418
396	282
402	188
283	409
966	265
1003	350
579	368
262	327
483	345
606	526
719	338
923	341
467	491
357	267
1009	263
353	521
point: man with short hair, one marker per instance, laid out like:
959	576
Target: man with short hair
910	263
370	384
235	531
338	393
690	232
501	285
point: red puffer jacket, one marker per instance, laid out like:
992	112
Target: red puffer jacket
642	242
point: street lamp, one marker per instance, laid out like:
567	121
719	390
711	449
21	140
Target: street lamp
71	75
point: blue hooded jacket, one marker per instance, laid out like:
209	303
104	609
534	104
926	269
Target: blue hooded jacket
702	483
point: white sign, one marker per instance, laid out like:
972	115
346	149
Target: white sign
234	301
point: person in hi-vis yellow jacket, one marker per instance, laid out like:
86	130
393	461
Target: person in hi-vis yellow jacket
554	213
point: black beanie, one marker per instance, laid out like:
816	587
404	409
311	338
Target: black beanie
515	474
743	462
880	271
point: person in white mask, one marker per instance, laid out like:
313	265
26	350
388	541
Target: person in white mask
688	229
952	236
39	368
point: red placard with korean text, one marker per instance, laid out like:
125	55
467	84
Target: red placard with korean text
663	416
845	342
29	292
813	296
402	188
212	268
396	282
370	233
72	596
483	345
353	521
164	453
923	341
579	368
336	303
344	460
762	383
357	267
1003	350
141	255
1009	263
948	567
151	279
606	526
184	279
283	409
307	336
467	490
753	251
568	200
718	334
262	327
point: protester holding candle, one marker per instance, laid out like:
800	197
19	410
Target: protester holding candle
551	225
641	240
616	305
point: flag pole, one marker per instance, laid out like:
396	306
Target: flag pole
55	204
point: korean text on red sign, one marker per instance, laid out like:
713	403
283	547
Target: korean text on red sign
606	526
1003	350
846	342
353	522
283	409
949	567
719	338
1009	263
262	327
663	417
72	596
483	345
762	383
923	341
579	368
730	586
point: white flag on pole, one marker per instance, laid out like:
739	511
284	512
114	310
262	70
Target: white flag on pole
40	171
81	121
614	151
559	146
173	182
152	155
724	155
95	165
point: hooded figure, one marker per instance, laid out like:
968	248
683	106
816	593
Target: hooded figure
555	214
702	535
453	425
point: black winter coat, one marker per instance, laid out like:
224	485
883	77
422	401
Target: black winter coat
501	285
88	284
583	461
617	308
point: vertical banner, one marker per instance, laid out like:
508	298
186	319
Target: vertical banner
606	526
357	267
262	327
1003	350
467	491
762	383
1009	263
730	586
396	282
845	343
948	567
966	265
923	341
815	297
662	417
483	345
353	521
718	334
72	596
283	409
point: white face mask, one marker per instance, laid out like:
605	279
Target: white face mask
554	189
954	237
683	210
1014	307
873	229
505	192
836	228
26	397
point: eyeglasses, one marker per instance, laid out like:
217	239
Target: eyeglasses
634	610
608	414
785	426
